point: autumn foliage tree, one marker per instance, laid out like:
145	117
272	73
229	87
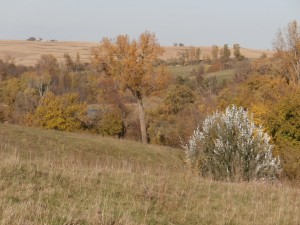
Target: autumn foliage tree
46	70
47	64
225	53
237	53
60	112
283	123
167	122
131	64
190	55
287	48
214	52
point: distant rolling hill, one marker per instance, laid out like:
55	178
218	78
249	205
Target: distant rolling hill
28	52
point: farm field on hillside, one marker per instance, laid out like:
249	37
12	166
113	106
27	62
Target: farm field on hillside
27	52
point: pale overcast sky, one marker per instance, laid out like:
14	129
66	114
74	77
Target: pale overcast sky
251	23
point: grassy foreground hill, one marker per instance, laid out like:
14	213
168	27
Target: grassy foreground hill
49	177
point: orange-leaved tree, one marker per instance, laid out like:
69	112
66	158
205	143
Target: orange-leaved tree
132	64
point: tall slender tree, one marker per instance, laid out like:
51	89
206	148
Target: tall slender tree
225	53
236	51
131	63
287	48
214	52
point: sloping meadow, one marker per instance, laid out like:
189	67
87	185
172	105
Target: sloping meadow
49	177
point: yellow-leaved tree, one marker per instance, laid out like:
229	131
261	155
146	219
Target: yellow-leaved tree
63	113
132	64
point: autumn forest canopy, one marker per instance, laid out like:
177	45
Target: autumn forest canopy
128	91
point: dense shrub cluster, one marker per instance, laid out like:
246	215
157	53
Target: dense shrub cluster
120	94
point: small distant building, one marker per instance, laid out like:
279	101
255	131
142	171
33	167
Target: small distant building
31	39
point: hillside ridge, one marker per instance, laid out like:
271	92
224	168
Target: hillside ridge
28	52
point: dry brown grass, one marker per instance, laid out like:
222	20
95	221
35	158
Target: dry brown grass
27	52
45	179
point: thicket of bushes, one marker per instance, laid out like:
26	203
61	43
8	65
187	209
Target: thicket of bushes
60	96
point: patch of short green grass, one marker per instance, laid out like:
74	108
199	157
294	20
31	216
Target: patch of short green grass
185	72
182	71
223	75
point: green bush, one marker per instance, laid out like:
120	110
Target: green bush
283	123
112	123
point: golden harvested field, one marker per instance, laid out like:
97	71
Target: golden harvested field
171	52
28	52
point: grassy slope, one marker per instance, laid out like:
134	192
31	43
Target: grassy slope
222	75
39	143
185	71
49	177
